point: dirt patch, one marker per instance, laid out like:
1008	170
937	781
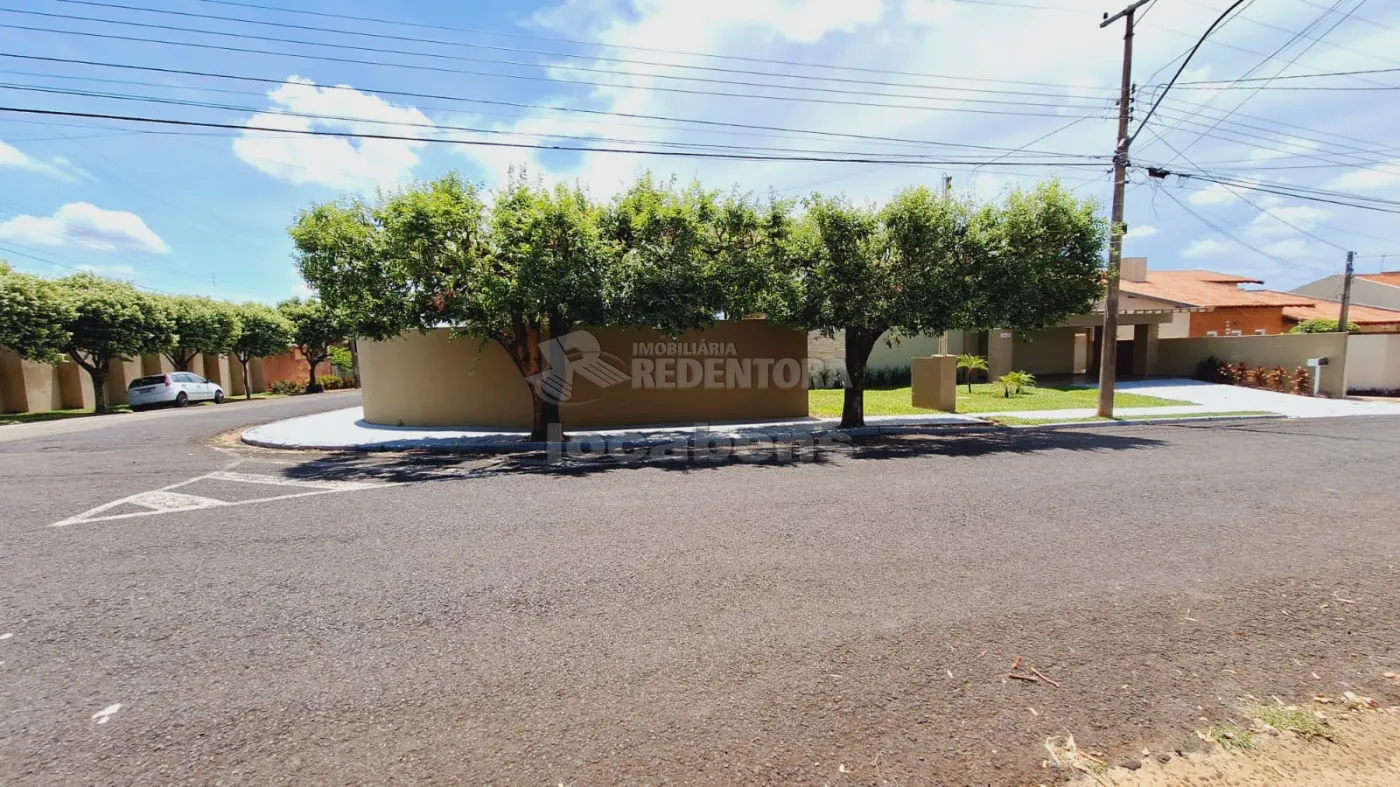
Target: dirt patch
1365	755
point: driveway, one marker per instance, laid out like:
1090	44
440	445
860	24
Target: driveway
459	620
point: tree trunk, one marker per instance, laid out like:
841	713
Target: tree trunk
859	343
355	361
313	363
180	358
247	381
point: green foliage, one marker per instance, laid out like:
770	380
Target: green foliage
263	331
111	320
286	387
201	325
969	363
1044	259
315	327
33	314
342	358
1016	383
331	382
885	377
1322	325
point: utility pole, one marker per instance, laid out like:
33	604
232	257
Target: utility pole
1346	292
1108	356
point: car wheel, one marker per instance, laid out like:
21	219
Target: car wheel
218	397
182	399
136	408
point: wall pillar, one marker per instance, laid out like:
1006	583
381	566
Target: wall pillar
999	352
119	378
1095	351
1145	349
75	387
214	368
155	363
934	382
237	386
1332	378
14	394
255	371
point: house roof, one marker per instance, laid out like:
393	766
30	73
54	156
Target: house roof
1208	289
1392	278
1330	310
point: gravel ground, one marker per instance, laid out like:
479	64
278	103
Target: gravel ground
844	622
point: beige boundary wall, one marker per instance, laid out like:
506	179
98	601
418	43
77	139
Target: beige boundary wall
1179	357
433	380
26	386
1373	362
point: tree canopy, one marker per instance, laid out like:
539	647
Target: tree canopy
1322	325
262	331
33	315
202	326
110	320
314	328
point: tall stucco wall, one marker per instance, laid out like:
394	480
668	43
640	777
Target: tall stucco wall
119	376
1050	351
433	380
1373	362
1179	357
831	352
1363	291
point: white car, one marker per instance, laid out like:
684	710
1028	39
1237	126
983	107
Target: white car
177	388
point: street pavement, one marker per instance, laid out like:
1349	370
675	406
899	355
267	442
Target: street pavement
262	617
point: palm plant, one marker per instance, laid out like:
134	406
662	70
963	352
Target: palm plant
971	363
1016	382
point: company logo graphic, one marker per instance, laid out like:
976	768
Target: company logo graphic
576	353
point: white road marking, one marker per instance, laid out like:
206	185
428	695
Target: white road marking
166	501
103	715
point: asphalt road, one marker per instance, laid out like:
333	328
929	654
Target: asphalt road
460	620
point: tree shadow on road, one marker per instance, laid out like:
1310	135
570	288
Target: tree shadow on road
586	459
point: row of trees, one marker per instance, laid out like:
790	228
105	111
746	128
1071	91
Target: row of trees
533	262
95	321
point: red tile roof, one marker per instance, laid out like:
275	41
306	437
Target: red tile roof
1361	315
1208	288
1392	278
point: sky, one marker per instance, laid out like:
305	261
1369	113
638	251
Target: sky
993	94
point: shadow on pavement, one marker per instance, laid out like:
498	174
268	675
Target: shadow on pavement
410	467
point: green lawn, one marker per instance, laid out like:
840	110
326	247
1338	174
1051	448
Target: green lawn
985	398
1011	420
60	415
53	415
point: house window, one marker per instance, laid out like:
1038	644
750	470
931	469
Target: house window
1212	333
1260	332
1237	333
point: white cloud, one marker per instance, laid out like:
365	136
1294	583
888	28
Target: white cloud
333	161
1141	231
1290	248
1284	221
84	225
927	12
1376	178
14	158
1206	247
1216	194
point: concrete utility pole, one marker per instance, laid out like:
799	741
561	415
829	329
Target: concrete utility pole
1346	292
1108	355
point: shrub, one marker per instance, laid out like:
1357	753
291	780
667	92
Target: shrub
1016	382
1322	325
887	377
287	387
1301	382
1211	370
331	382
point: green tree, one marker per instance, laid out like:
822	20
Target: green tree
540	262
262	331
33	314
108	321
315	328
1042	260
202	326
1322	325
863	272
970	363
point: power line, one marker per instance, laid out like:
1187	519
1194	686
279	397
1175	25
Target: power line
520	145
468	72
522	105
847	155
1282	77
419	40
78	269
621	47
1231	236
1186	60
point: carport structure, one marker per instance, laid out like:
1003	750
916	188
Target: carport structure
1074	347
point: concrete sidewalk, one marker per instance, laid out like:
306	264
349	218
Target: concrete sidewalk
347	430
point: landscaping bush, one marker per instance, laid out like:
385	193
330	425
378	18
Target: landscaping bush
888	377
1298	382
1211	370
331	382
1016	382
286	387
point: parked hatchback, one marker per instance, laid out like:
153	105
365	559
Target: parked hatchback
177	388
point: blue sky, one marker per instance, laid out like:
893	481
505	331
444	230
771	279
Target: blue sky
206	210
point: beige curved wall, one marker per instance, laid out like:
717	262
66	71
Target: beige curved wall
433	380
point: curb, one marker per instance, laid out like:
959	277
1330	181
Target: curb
513	447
